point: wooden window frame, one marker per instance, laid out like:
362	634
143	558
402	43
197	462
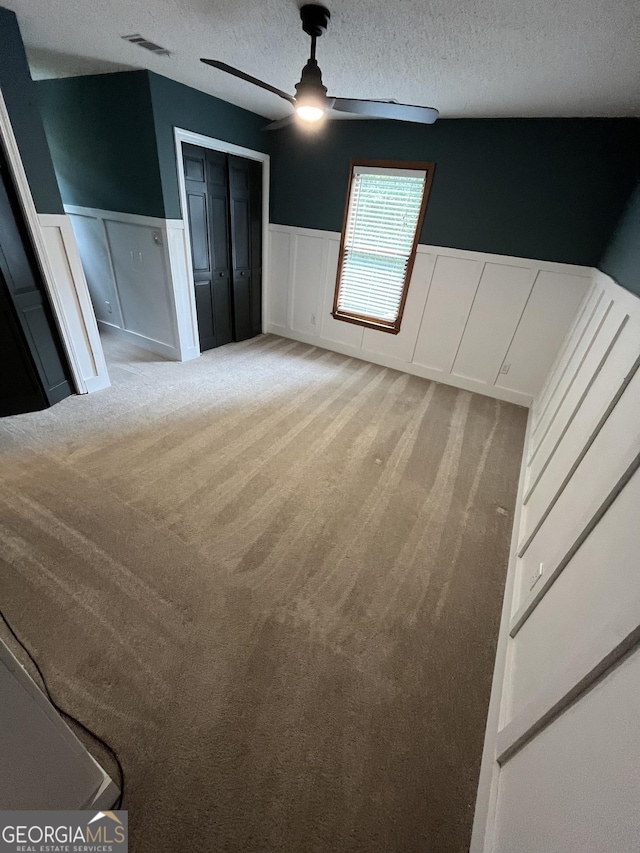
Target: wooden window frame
359	319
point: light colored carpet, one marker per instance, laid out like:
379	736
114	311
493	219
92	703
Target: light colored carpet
272	579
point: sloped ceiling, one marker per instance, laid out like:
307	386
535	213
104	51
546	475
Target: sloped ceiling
469	58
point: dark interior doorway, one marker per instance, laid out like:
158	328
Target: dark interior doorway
224	206
33	368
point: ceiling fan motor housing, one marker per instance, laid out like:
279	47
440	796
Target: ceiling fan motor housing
310	85
315	19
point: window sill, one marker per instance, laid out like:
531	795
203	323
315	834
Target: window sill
379	326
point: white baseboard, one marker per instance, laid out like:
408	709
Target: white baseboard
141	341
405	367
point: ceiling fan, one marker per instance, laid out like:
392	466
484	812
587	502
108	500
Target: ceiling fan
311	101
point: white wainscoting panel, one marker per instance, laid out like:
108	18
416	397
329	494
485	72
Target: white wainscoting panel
137	272
96	260
570	612
306	302
279	297
142	281
468	315
574	788
335	331
493	320
402	345
72	295
178	261
591	350
561	723
541	330
453	287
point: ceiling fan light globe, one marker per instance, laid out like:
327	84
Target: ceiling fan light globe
309	112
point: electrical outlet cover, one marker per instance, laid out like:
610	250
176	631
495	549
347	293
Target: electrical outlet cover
535	577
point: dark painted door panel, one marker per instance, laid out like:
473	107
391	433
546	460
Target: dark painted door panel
207	205
255	201
245	193
20	388
34	372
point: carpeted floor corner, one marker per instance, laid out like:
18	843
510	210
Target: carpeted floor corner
272	579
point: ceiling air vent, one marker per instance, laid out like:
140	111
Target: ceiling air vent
141	41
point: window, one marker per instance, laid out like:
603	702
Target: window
385	208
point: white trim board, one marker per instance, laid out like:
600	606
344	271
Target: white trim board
35	716
141	341
534	479
563	362
553	571
590	664
71	284
181	135
177	259
578	459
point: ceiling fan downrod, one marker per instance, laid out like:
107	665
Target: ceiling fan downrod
311	95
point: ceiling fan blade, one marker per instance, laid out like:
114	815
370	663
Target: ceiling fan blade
386	109
281	122
222	66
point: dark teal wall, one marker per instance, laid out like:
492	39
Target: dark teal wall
21	100
102	139
176	105
551	189
111	137
621	259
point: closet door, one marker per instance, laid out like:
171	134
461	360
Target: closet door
245	200
207	204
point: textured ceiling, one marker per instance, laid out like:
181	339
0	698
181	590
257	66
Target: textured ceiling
469	58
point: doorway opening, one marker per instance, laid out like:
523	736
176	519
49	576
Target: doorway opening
236	181
223	195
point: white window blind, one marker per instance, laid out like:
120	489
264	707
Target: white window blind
384	208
